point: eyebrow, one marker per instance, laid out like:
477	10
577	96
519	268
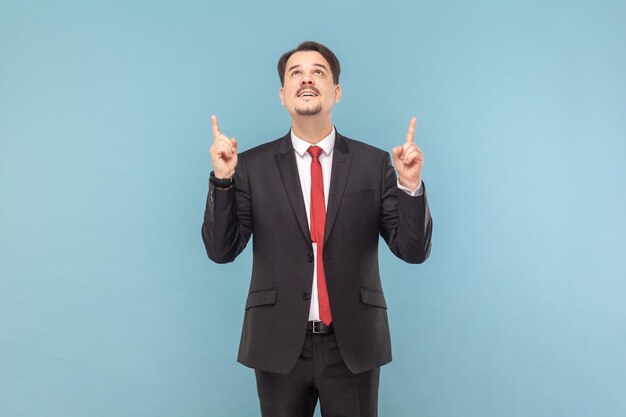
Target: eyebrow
317	65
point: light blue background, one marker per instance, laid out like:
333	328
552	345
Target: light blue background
108	304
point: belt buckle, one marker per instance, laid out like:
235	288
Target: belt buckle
314	328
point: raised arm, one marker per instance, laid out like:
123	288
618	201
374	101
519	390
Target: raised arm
227	222
406	224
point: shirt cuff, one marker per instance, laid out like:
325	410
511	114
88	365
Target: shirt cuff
419	191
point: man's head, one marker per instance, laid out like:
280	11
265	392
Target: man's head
309	76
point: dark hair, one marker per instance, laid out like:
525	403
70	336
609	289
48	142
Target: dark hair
310	46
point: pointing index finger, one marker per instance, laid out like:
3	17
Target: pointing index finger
216	128
410	134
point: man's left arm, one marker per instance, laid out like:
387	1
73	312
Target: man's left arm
406	223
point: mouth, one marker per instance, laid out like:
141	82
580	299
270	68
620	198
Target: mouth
308	92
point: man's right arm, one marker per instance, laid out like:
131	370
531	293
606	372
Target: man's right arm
227	217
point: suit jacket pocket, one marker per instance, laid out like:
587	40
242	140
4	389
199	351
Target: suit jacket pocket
358	197
373	297
261	298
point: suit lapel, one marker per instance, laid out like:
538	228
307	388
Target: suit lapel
286	161
342	159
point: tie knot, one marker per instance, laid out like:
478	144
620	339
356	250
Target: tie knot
315	151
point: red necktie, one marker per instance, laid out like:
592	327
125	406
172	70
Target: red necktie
318	222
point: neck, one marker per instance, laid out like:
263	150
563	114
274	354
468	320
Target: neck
311	128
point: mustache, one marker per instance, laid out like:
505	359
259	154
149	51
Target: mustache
308	87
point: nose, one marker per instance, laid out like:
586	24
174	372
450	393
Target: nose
306	80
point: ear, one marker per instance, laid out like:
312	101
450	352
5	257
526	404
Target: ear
338	93
281	95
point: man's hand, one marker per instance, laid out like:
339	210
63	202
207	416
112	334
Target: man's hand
409	159
223	152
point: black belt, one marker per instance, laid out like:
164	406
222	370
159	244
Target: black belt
318	327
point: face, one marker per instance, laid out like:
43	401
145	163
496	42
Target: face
309	88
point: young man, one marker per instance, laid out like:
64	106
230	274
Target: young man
315	324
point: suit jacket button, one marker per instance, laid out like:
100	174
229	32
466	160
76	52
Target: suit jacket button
306	295
309	258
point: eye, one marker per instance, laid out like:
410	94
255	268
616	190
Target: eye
319	72
295	72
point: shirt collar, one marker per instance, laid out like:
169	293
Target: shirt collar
301	146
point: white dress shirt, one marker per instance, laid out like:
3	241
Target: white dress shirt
303	162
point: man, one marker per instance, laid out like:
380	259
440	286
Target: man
315	324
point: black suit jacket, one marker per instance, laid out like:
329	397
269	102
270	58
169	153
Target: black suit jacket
266	202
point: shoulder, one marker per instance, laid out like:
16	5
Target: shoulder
361	149
264	152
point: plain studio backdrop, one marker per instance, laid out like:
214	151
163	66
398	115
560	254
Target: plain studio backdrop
108	303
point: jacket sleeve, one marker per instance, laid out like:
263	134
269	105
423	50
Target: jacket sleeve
406	224
227	222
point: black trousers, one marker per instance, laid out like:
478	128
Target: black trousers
320	373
